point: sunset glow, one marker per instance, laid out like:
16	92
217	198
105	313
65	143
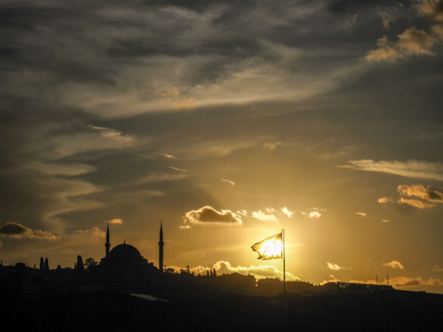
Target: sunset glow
226	122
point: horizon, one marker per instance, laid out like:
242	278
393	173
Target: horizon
226	122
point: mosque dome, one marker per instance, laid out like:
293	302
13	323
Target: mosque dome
125	253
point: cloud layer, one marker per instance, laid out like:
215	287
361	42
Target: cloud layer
411	169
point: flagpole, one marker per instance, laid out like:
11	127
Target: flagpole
284	262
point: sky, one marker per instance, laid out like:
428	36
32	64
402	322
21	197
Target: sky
226	122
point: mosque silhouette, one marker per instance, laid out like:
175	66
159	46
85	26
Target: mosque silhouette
124	268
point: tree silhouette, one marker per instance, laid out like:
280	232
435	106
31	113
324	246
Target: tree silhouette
90	263
80	265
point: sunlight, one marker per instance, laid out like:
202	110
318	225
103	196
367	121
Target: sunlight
270	248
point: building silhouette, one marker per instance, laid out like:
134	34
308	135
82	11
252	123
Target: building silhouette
123	268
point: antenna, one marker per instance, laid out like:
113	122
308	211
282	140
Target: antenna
387	278
376	279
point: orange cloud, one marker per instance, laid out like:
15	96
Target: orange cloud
394	265
430	8
115	221
407	282
384	200
415	203
184	104
429	196
421	192
411	42
386	51
335	267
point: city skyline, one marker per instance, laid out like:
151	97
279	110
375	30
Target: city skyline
226	123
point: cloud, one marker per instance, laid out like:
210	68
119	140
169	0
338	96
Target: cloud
387	18
312	214
94	234
172	97
415	203
260	272
394	265
384	200
411	169
407	282
112	134
63	196
335	267
385	220
178	169
264	216
412	41
430	8
271	146
167	93
225	267
17	231
361	214
386	51
162	177
167	155
437	268
215	148
429	196
242	212
287	212
228	181
185	104
72	169
208	215
415	42
115	221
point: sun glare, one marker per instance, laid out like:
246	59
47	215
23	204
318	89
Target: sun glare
269	248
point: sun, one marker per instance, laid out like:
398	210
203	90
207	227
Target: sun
270	248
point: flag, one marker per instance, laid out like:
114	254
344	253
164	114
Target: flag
269	248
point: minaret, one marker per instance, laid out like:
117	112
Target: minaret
107	245
160	250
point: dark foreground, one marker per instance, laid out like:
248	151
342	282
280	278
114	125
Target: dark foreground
113	311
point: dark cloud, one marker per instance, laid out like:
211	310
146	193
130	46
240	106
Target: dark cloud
15	230
209	215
